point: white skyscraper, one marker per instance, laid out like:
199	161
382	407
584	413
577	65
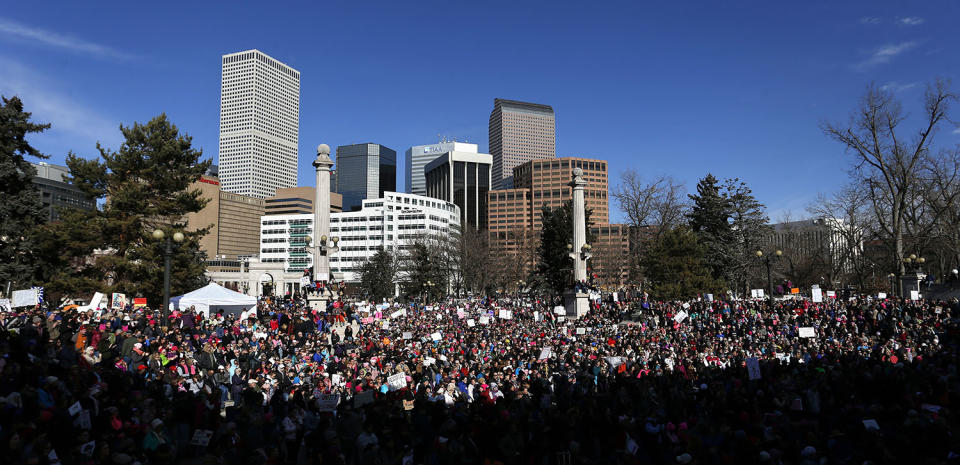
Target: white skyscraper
259	124
419	155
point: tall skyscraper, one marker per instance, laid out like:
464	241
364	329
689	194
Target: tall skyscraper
259	124
365	171
464	179
419	156
519	132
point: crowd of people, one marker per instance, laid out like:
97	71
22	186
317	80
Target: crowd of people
511	381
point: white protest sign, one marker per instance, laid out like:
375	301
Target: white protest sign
398	313
5	305
88	448
336	379
536	316
397	381
833	294
304	281
753	368
559	310
808	332
871	424
914	295
201	437
709	297
471	323
816	294
506	314
328	402
75	408
881	295
427	361
680	316
24	298
407	335
545	353
484	320
581	330
83	421
386	324
363	398
436	336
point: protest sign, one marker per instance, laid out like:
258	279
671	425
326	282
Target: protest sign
363	398
753	368
118	300
756	293
436	336
5	305
871	424
471	323
709	297
75	408
407	335
24	298
795	290
87	448
686	305
679	317
559	310
808	332
83	420
816	294
328	402
581	331
545	353
397	381
833	294
201	437
881	295
336	379
139	301
304	281
427	361
398	313
506	314
484	320
914	295
536	316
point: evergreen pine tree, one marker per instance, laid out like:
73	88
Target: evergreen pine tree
377	275
675	267
20	206
554	265
709	220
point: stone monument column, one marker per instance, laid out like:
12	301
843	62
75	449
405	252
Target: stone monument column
321	228
578	303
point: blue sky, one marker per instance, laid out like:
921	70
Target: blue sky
679	88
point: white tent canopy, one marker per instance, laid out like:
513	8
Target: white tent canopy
213	298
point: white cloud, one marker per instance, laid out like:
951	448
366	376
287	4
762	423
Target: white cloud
957	130
898	87
73	121
910	21
885	53
23	32
870	20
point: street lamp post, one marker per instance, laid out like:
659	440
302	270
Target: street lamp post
767	261
159	235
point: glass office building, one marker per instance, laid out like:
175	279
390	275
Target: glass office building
464	180
365	171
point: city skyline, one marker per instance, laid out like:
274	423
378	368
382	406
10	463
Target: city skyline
742	105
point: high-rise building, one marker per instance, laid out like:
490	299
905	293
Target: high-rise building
298	201
259	124
519	132
464	179
365	171
56	192
419	156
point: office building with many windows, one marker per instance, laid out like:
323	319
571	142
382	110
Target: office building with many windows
418	156
365	171
519	132
56	192
259	124
464	179
393	222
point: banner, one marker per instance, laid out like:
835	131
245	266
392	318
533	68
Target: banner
753	368
328	402
139	301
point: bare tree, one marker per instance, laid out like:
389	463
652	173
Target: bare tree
885	161
660	203
850	221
